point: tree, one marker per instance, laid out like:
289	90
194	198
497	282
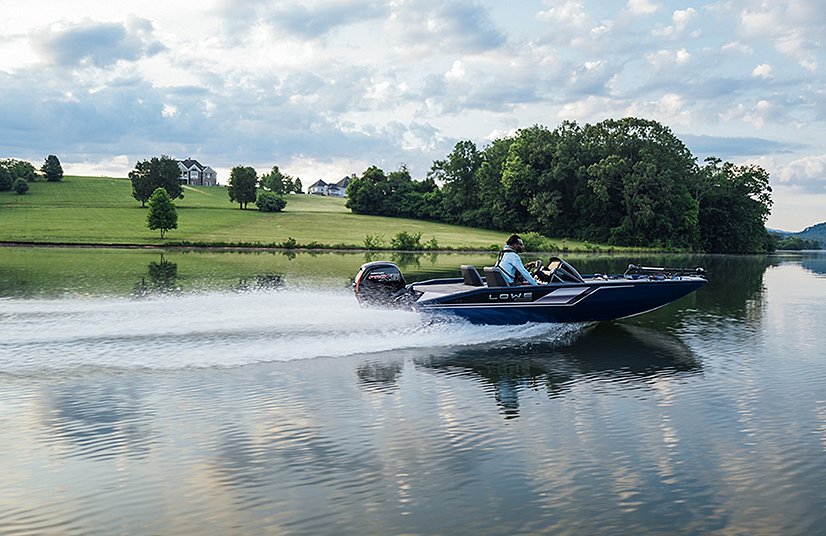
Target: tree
52	169
243	181
149	175
6	180
367	194
270	202
20	186
735	202
162	213
297	186
142	184
458	172
275	181
18	169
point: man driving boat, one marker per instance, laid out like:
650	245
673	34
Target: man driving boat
511	264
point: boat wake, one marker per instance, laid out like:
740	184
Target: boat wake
229	329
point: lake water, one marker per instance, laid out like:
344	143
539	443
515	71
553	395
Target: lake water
204	393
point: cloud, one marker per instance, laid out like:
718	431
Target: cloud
591	78
764	70
736	147
670	109
642	7
492	83
668	59
318	20
97	43
756	115
807	174
794	28
433	25
680	19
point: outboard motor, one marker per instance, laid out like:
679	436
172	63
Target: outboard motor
379	283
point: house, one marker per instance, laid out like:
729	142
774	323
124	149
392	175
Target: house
337	189
193	173
319	187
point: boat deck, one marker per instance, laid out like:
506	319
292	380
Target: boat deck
445	288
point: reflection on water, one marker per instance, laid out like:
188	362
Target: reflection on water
815	262
289	409
627	355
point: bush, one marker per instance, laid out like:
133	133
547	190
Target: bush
405	241
373	241
432	244
20	186
270	202
534	242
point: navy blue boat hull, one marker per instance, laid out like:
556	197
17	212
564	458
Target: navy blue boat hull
586	302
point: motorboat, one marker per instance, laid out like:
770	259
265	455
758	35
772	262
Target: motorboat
564	294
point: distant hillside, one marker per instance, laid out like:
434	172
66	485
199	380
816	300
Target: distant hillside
778	231
815	232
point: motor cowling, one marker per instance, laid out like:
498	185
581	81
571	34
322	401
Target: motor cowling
378	283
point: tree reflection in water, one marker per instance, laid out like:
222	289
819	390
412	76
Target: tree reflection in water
163	279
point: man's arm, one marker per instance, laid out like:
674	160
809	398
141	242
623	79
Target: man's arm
526	275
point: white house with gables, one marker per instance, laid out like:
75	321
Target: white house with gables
195	174
334	189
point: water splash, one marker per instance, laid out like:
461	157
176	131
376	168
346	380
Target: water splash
224	330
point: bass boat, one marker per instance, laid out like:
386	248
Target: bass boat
564	295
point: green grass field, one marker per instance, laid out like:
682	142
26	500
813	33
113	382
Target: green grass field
100	210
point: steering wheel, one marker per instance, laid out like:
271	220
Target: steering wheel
535	268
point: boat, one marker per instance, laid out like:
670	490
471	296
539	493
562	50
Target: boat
564	294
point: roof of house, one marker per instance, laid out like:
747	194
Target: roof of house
190	163
318	183
343	182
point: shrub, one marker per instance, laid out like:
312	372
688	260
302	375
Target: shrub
270	202
20	186
534	242
405	241
432	244
373	241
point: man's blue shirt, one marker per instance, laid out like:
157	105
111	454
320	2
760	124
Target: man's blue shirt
511	264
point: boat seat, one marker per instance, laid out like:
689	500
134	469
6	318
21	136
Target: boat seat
471	275
495	277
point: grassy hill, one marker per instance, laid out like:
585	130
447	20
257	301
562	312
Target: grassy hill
101	210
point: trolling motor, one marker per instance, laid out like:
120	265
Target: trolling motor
634	270
379	283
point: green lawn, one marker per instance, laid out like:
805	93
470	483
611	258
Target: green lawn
100	210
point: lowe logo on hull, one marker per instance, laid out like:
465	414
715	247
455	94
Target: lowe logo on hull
511	296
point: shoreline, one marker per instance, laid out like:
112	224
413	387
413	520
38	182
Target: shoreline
103	245
302	249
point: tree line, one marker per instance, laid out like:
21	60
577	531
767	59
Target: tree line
793	243
628	182
17	174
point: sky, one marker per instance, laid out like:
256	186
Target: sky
324	89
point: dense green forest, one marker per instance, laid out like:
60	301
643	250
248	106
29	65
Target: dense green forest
628	182
815	233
